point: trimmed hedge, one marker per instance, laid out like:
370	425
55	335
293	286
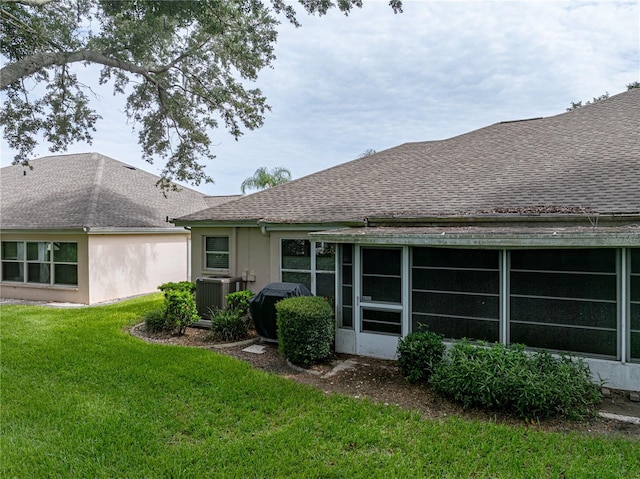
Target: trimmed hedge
305	329
187	286
419	354
508	378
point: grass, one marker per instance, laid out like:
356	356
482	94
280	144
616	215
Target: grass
82	398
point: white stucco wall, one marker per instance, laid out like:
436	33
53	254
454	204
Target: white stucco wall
126	265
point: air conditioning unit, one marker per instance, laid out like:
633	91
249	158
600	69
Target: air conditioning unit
211	292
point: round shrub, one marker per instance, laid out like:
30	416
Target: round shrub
419	353
305	329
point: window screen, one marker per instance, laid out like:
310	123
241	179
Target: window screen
382	275
635	304
564	300
346	271
456	292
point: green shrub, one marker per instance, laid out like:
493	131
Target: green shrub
305	329
528	384
179	286
419	353
228	324
154	321
239	301
179	310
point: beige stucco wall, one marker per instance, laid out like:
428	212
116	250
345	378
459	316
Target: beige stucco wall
51	293
252	253
127	265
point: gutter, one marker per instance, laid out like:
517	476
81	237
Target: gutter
132	231
270	225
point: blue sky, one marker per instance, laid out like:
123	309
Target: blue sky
373	80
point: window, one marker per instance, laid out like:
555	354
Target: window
565	300
635	304
456	292
311	263
346	272
382	275
381	291
216	252
40	262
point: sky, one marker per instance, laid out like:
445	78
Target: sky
374	80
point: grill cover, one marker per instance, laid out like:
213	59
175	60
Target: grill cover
263	306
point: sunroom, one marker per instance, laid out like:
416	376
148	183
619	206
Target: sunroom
562	291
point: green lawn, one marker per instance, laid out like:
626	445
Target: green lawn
82	398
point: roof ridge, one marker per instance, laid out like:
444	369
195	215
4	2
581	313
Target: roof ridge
95	193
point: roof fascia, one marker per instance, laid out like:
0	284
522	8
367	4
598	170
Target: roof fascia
134	231
602	239
48	231
215	224
266	226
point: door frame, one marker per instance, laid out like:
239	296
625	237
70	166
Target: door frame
380	345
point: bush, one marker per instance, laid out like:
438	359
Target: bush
154	321
239	301
228	324
180	310
305	329
419	353
528	384
187	286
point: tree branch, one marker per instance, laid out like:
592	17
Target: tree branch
14	72
30	3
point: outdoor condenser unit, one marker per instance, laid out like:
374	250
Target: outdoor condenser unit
211	292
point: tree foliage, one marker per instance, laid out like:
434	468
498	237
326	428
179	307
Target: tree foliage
578	104
367	152
263	179
185	67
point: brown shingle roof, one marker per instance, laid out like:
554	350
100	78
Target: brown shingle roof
88	190
584	160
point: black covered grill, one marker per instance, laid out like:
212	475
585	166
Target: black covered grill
263	306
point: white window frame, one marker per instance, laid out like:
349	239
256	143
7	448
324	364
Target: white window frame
50	262
313	271
206	252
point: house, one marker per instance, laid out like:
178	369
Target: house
523	231
85	228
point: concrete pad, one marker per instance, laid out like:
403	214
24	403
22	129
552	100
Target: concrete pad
65	305
255	349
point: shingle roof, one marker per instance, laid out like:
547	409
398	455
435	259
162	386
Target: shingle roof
583	160
88	190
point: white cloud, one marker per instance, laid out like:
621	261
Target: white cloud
341	85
